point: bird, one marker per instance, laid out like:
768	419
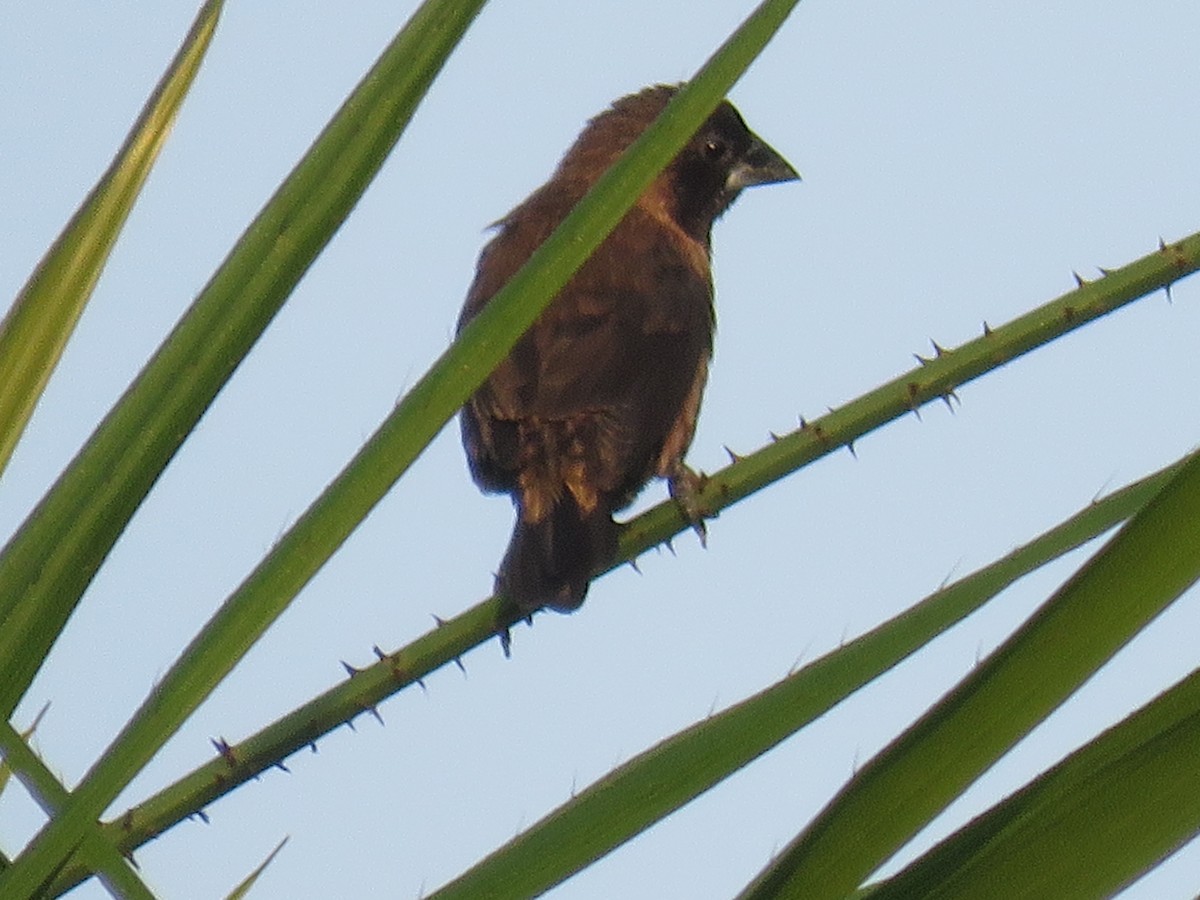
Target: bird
602	393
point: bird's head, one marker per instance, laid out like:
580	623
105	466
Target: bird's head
706	176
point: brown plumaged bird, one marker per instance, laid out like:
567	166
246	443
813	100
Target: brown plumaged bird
602	393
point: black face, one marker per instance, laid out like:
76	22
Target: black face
709	173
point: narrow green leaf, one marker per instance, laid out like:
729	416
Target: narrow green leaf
1143	568
5	767
98	849
659	781
1088	826
46	566
243	888
36	328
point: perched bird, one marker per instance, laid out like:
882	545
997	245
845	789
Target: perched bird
602	393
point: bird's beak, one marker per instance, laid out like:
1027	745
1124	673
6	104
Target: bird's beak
761	164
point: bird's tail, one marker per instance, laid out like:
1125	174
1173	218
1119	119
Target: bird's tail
550	562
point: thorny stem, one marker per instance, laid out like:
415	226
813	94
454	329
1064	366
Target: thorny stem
934	378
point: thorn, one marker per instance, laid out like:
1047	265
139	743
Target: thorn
733	457
850	447
1162	245
633	565
438	620
938	349
374	711
202	816
350	670
225	751
987	329
921	359
670	546
774	437
947	397
505	637
803	423
916	411
350	724
421	684
379	654
282	767
1105	272
1079	282
312	746
458	662
1170	296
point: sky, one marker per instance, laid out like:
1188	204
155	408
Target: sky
960	160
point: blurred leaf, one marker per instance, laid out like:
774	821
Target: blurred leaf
1142	569
98	849
1087	827
46	566
36	328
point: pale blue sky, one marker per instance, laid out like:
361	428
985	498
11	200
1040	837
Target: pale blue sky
960	160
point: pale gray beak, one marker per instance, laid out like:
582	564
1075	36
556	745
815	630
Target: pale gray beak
761	164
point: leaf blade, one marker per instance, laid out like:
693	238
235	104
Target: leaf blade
1142	569
37	327
49	562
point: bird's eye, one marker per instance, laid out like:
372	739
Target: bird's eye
714	148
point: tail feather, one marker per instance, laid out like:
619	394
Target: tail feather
550	562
